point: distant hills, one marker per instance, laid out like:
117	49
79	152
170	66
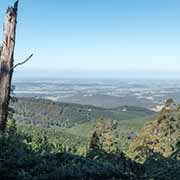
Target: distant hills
102	93
47	113
74	123
53	134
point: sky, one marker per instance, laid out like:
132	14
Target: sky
97	38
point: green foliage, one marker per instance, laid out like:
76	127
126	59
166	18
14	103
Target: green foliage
169	102
46	113
56	139
29	152
159	136
159	167
72	123
102	137
24	157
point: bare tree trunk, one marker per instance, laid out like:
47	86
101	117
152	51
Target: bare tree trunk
6	62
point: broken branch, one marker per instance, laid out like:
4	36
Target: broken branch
21	63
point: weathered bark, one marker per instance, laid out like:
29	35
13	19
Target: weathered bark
6	62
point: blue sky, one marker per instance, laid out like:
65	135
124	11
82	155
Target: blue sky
98	38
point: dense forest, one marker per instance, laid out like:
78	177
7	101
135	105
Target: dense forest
78	121
45	140
37	152
47	113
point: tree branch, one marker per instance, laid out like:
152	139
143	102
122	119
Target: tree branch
21	63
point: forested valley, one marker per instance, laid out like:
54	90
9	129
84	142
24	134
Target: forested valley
42	139
143	147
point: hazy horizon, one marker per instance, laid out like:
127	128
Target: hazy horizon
98	39
22	73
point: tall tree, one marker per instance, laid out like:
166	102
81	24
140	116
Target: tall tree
7	62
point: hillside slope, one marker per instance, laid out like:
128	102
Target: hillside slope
162	135
46	113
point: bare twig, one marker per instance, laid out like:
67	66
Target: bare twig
23	62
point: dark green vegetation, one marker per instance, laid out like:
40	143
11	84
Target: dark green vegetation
47	113
73	123
158	144
35	157
162	135
90	148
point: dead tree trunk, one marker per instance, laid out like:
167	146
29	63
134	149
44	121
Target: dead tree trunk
6	62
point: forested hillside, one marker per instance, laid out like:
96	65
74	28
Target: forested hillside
73	123
162	135
47	113
46	140
158	144
40	153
